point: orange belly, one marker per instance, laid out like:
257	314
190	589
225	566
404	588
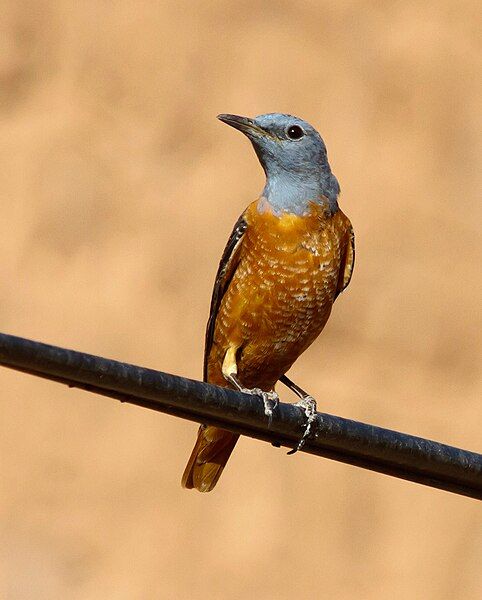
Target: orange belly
281	293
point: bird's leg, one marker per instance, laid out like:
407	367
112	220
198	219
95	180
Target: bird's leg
230	371
308	404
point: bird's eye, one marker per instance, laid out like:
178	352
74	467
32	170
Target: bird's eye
294	132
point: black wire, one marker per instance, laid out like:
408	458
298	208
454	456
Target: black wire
400	455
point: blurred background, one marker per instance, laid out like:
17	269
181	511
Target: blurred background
119	190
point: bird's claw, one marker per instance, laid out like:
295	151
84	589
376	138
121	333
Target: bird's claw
308	405
270	401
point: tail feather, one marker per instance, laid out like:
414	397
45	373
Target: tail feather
209	456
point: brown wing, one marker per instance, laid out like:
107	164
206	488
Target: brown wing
226	269
346	269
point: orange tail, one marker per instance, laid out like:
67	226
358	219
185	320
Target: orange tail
208	458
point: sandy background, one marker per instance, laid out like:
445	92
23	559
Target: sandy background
119	189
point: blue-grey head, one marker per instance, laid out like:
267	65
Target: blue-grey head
293	156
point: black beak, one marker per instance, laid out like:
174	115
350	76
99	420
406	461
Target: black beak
244	124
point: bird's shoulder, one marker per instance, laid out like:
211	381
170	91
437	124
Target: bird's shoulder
342	222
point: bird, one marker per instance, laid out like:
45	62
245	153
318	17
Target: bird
290	254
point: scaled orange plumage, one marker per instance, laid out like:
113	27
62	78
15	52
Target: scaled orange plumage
275	288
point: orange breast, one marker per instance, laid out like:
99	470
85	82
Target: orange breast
281	293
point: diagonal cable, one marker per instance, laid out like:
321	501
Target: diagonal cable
385	451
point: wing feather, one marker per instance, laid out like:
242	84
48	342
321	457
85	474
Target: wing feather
346	270
226	270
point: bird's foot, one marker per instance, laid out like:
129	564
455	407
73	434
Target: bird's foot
308	405
270	401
